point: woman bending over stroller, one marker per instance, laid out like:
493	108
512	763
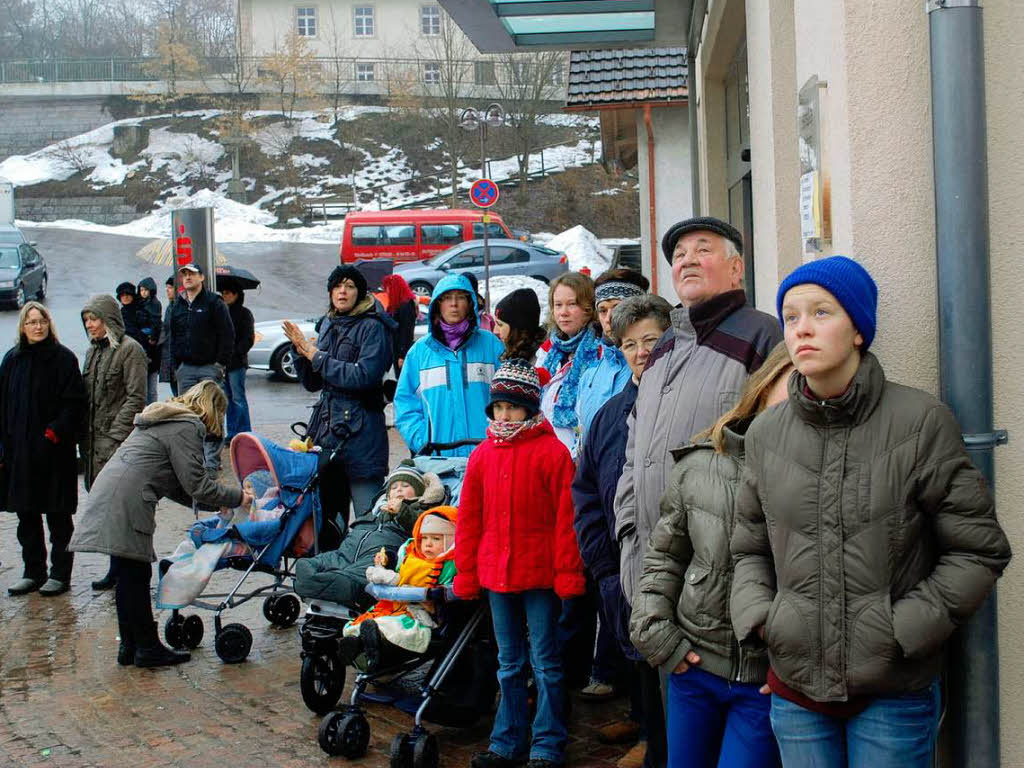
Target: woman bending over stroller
340	576
163	456
393	631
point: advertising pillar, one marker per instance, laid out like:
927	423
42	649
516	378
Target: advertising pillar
192	241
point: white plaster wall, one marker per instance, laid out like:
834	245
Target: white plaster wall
672	187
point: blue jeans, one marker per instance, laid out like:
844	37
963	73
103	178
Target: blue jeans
712	721
516	615
188	376
238	406
893	732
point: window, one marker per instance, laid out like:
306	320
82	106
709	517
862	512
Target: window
430	20
432	72
386	234
365	72
400	234
306	22
440	234
471	257
364	25
483	73
367	236
504	255
493	230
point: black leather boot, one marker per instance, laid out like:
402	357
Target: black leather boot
126	648
150	652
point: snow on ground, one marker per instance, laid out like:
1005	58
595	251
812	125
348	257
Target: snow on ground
181	153
583	249
503	285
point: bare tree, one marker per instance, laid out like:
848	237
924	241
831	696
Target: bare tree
292	71
173	61
339	69
446	71
527	83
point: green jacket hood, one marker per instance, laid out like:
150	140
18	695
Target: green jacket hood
106	308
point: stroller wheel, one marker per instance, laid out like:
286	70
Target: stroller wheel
344	733
192	631
321	682
282	610
401	751
424	751
174	630
233	643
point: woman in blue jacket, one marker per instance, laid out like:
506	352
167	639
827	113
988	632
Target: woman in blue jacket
445	383
347	366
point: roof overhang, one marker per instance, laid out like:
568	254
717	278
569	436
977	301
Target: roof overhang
515	25
612	105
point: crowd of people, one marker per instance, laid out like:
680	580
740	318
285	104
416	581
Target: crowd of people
733	518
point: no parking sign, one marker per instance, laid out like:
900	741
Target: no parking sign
483	193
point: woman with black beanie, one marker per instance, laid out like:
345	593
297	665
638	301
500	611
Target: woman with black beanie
347	365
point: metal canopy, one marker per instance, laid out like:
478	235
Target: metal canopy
497	25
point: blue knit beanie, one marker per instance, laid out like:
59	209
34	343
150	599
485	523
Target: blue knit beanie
845	279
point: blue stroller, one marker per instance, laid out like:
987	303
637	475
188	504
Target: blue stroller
264	546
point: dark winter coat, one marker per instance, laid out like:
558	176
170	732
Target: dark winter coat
515	518
166	359
241	319
601	458
149	315
405	333
115	384
864	537
163	456
354	353
201	331
340	576
683	600
41	388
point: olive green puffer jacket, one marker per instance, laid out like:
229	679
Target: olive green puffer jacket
864	537
683	600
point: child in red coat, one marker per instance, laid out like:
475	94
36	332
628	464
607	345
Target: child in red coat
515	540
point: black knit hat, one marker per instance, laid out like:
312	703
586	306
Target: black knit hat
519	309
700	223
345	272
515	382
125	288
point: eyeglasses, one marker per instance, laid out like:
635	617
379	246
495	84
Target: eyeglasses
38	323
633	347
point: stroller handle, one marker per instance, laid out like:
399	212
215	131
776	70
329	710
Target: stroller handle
434	449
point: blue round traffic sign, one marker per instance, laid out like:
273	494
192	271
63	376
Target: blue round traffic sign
483	193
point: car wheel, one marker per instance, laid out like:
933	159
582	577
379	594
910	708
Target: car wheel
283	363
421	288
541	278
19	297
41	293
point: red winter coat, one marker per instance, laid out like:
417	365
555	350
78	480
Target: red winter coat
515	528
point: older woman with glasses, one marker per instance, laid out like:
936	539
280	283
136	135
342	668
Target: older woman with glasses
42	401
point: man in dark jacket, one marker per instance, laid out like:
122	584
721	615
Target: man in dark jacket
202	340
234	380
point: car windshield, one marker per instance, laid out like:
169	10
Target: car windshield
9	258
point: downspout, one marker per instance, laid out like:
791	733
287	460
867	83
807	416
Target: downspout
691	68
652	198
965	332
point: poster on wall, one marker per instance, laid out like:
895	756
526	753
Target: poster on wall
815	174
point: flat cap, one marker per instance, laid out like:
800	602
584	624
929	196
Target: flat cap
700	223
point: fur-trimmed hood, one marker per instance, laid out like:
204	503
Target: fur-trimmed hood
106	308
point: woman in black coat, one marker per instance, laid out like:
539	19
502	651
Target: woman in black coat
42	403
149	315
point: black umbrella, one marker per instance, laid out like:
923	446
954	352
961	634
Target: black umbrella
228	276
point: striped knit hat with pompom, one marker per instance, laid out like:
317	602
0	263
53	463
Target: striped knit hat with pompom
515	382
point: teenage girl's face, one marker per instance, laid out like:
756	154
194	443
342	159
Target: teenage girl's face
820	336
604	314
502	329
431	544
344	296
401	490
508	412
569	314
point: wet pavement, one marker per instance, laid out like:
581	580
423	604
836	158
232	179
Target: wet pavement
64	701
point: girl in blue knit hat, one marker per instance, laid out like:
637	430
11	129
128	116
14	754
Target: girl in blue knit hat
864	537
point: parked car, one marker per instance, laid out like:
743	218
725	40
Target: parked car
22	274
273	352
412	235
508	257
11	234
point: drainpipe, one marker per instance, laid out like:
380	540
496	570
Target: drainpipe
652	198
965	332
691	73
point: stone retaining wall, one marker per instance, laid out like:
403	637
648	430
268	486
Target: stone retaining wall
99	210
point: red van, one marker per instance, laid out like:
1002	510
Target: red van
412	235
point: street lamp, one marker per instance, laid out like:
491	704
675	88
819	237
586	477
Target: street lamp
477	120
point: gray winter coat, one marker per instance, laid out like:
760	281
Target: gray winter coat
692	377
115	383
683	600
163	456
864	537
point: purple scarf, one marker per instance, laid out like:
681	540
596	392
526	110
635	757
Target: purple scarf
454	334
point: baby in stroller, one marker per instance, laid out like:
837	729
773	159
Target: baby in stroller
394	631
340	576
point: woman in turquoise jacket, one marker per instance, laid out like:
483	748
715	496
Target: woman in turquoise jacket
445	382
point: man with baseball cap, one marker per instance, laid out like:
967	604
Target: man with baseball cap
692	377
202	340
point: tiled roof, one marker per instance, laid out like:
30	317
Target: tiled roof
625	75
